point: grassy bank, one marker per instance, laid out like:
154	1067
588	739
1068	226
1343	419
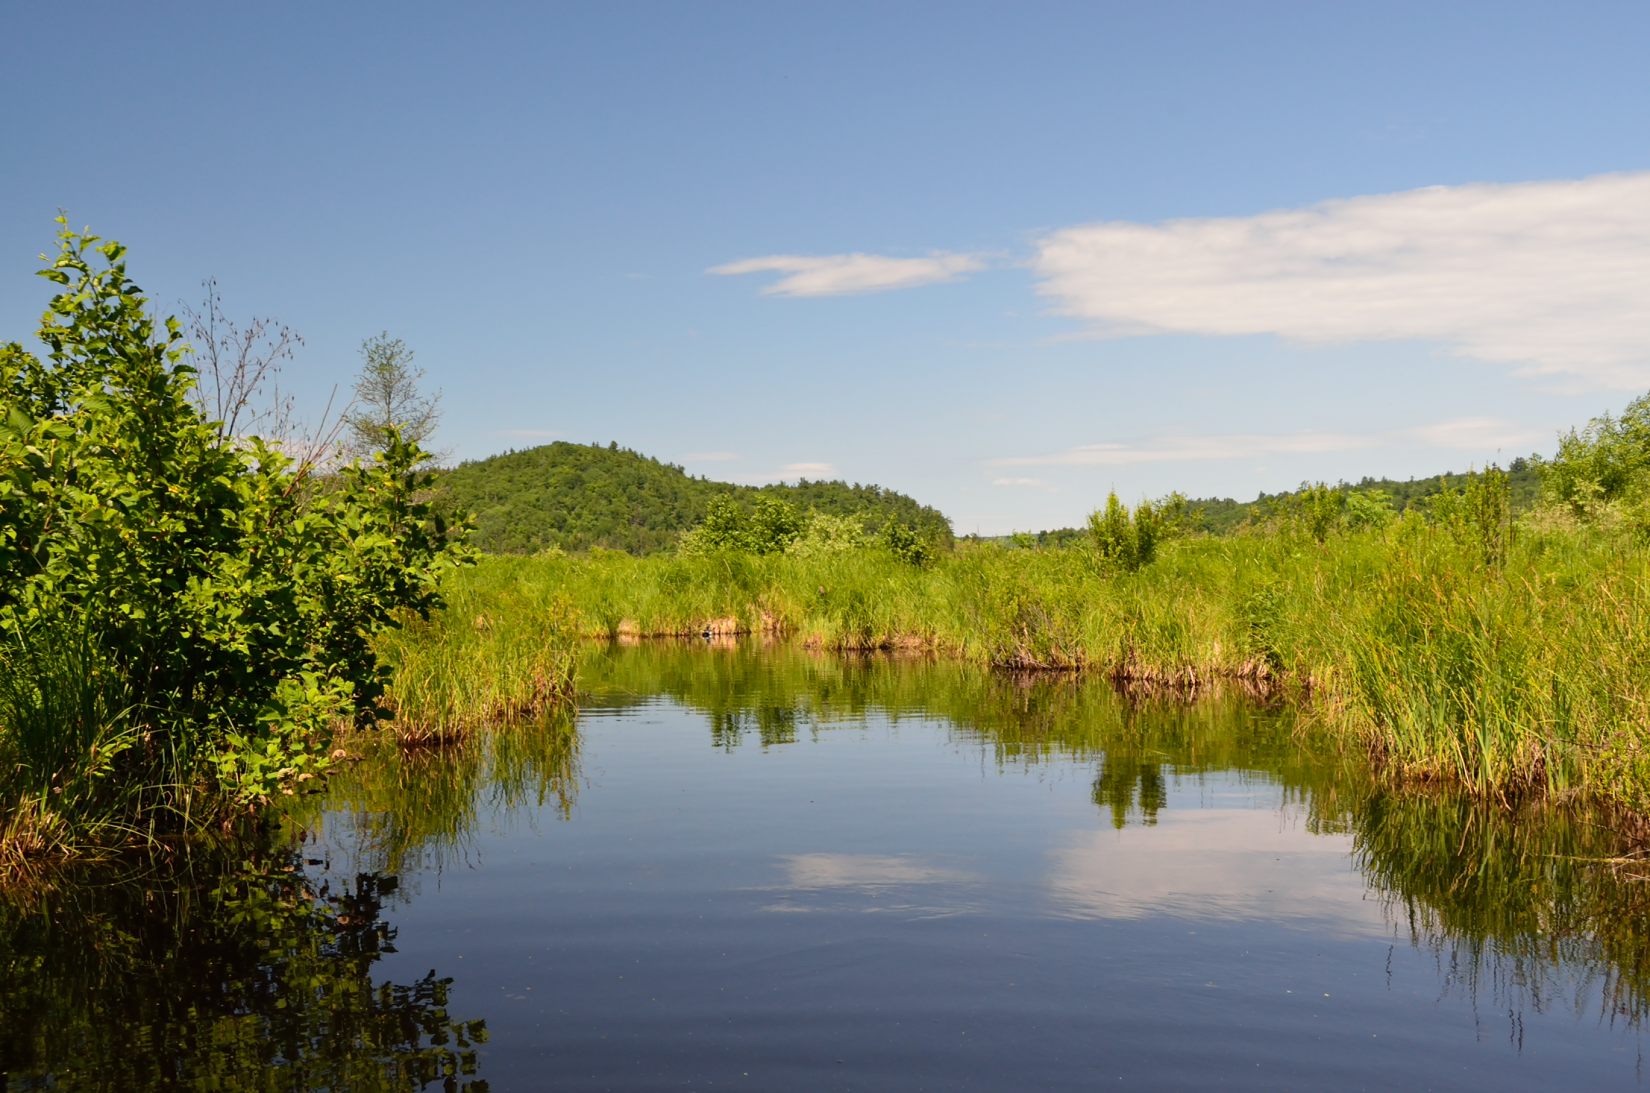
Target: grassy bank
501	650
1528	673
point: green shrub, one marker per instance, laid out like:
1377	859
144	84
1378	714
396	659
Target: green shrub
232	598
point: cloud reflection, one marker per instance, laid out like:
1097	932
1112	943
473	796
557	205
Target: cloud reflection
1258	864
884	882
810	872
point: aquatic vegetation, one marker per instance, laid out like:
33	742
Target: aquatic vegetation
1509	658
501	650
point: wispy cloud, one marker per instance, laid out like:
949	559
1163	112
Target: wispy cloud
1553	277
1466	434
807	871
1187	449
810	470
1476	434
847	274
790	471
1024	484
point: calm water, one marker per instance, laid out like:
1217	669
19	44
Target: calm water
764	869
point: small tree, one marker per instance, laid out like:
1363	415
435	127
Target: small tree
1602	463
388	395
905	543
1129	541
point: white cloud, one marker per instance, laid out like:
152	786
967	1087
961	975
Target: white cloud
1478	434
845	274
1177	449
1024	484
790	471
1553	277
1482	435
809	470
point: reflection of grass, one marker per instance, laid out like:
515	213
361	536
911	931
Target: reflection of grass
1505	897
409	805
778	693
1531	675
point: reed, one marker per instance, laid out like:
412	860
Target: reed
80	774
501	650
1516	671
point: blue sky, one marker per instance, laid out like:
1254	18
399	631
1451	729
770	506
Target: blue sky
1139	247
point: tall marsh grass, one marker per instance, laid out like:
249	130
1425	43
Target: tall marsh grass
65	741
1516	671
502	649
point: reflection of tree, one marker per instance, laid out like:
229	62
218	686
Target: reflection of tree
1126	783
773	725
225	974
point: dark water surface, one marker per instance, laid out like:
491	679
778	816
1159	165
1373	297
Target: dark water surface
767	869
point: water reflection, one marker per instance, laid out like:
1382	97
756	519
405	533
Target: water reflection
1540	909
232	970
1007	830
407	810
1505	901
1221	864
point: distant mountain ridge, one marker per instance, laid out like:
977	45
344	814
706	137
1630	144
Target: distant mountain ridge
579	496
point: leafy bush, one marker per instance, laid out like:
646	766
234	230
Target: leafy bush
770	528
1128	541
231	596
906	544
1606	461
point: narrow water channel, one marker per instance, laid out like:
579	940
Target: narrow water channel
764	868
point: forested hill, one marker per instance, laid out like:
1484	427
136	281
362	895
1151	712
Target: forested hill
1222	515
577	496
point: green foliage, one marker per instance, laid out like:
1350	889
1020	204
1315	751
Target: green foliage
726	527
1607	461
1368	503
231	599
1129	541
1368	508
824	534
772	526
582	496
1317	509
906	544
387	397
1479	515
